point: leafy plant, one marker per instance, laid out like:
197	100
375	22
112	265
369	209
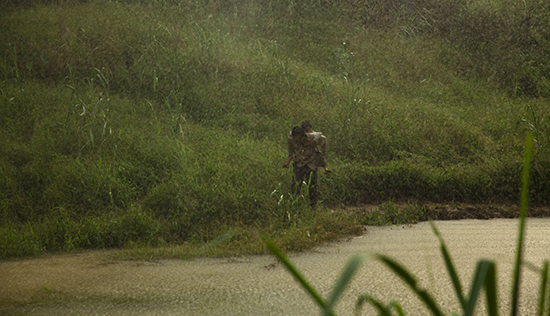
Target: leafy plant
485	276
342	61
539	125
326	305
89	120
289	205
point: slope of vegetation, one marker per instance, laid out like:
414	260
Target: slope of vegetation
165	122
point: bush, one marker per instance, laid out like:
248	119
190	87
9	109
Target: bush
63	231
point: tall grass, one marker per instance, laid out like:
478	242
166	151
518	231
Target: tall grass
182	108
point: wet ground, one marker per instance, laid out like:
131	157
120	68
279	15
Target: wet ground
94	283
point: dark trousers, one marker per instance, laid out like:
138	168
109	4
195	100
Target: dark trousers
308	176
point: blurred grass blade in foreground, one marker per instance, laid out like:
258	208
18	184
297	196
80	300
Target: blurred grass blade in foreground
341	284
485	275
295	273
543	287
521	231
349	271
383	310
400	271
450	267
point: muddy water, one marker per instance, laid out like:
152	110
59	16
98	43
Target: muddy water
95	284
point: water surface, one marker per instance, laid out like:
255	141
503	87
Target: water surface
93	283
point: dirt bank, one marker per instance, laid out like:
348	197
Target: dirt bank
482	211
464	211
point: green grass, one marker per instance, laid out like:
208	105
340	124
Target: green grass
180	110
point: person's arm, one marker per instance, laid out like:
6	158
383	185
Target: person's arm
288	159
323	144
290	148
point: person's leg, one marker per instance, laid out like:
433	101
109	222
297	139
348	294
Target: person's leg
311	178
298	178
294	177
321	161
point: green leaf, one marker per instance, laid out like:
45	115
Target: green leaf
295	273
398	308
523	213
484	275
450	268
411	281
383	310
349	271
543	286
491	290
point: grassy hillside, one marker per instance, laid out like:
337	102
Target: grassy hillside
165	122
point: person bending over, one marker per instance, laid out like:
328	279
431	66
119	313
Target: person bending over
302	149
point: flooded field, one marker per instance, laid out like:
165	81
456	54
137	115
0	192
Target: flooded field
93	283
